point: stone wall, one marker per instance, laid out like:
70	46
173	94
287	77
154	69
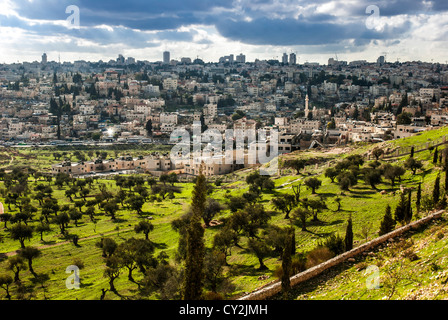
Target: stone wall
275	288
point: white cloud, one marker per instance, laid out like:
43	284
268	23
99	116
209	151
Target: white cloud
422	36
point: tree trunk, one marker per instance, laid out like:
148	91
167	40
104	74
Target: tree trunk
130	275
262	265
30	267
103	293
112	287
16	276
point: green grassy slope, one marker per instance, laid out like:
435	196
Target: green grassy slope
413	267
364	204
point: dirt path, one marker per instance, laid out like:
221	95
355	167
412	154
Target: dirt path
288	183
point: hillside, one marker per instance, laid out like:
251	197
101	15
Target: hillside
364	203
411	267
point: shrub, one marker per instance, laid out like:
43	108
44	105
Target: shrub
434	266
427	203
361	265
334	243
317	256
298	264
218	182
78	262
388	223
410	254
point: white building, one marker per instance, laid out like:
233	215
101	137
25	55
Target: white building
170	84
210	110
168	118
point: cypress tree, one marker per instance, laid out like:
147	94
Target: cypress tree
436	190
287	262
436	156
195	246
408	211
387	224
446	179
400	209
293	239
349	235
419	197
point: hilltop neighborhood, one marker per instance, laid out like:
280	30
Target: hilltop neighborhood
128	101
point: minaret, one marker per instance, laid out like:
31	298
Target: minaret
307	110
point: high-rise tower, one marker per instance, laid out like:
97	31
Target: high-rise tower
166	57
292	59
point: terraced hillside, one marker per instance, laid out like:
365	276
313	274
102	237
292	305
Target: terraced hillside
411	267
363	201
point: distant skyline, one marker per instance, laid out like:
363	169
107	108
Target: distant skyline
316	30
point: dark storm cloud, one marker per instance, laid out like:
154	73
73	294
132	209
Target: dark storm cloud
258	22
138	14
297	32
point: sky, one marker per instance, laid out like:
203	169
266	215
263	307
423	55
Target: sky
316	30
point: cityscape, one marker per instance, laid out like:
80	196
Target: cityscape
235	151
125	101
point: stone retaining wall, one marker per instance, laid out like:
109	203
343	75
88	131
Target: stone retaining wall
275	288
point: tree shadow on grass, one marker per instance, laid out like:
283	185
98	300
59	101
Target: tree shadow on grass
320	235
119	220
276	213
362	194
321	223
342	210
237	269
146	215
159	245
318	223
47	243
86	284
326	194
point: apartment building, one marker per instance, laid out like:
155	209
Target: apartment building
170	84
405	131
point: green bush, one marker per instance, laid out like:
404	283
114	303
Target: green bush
334	243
